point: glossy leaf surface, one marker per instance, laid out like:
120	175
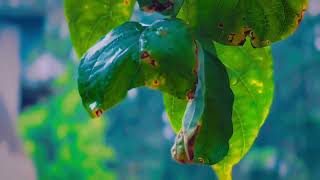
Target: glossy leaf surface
90	20
110	68
168	55
231	21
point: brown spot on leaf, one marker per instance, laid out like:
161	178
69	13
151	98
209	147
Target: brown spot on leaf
230	37
241	43
153	63
239	38
247	31
145	55
158	6
201	160
267	42
126	2
155	83
98	112
191	143
148	9
190	95
301	14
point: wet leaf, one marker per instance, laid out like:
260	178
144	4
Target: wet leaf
90	20
231	21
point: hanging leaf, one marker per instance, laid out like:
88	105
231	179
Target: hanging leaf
90	20
168	55
231	21
207	122
251	75
110	68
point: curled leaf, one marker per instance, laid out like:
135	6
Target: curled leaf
207	122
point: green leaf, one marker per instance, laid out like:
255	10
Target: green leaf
231	21
175	109
207	121
165	7
110	68
90	20
251	75
168	57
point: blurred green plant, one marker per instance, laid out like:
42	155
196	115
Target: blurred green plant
61	139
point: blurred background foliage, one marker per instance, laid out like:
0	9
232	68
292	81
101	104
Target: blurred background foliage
63	142
133	140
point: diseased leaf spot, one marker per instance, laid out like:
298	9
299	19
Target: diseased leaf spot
98	113
231	37
301	14
153	63
158	6
241	43
201	160
190	95
239	39
267	42
191	143
145	55
156	83
126	2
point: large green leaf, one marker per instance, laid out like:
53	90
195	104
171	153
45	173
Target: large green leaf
207	121
89	20
110	68
231	21
168	57
251	75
